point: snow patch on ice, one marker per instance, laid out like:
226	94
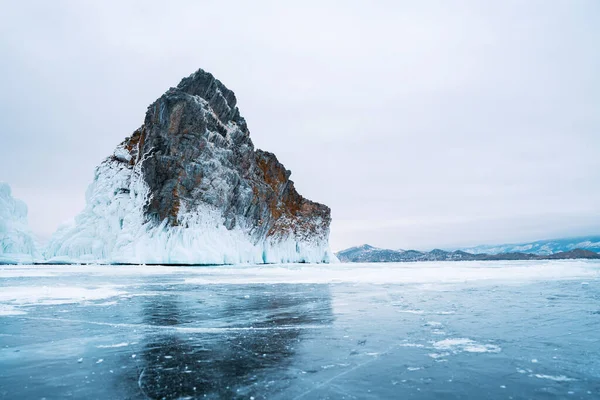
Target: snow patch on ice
53	295
438	355
103	304
462	344
404	273
463	273
6	309
21	272
112	346
556	378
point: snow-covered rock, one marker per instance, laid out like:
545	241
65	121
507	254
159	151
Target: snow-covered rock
17	244
188	187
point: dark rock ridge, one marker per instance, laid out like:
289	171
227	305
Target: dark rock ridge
367	253
198	151
576	253
218	199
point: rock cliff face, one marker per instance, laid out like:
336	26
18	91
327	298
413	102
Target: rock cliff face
189	187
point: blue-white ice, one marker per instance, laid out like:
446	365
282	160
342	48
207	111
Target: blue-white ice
492	330
113	228
17	243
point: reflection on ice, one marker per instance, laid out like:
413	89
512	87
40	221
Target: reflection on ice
268	325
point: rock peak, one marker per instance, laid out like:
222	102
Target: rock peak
204	85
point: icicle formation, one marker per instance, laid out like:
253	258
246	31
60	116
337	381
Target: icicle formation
17	244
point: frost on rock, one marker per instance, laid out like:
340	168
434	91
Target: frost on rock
17	244
188	187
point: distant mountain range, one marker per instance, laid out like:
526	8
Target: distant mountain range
541	247
367	253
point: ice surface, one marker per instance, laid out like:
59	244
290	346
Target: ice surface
301	332
113	229
34	295
430	275
17	244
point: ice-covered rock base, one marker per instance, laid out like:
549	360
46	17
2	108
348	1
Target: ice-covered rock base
188	187
17	244
113	230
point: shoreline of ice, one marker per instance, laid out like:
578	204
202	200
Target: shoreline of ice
411	273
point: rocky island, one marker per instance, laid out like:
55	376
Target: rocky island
188	187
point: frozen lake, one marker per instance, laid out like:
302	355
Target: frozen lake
481	330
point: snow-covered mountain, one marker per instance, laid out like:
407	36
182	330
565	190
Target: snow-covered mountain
188	187
542	247
367	253
17	243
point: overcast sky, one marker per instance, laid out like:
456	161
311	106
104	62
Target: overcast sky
420	123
